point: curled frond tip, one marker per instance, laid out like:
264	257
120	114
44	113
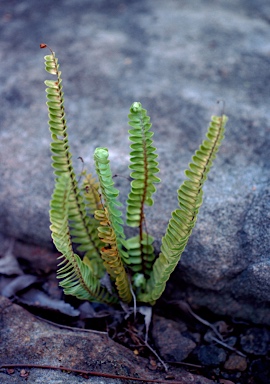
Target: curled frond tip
136	107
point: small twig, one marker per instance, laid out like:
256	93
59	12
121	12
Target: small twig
80	158
183	363
205	322
134	300
89	373
220	339
227	346
147	313
157	356
61	326
223	106
124	177
185	306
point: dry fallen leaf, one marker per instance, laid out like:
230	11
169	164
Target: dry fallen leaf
8	262
39	299
18	284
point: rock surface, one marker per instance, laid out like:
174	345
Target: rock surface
28	340
256	341
211	355
170	343
236	363
177	60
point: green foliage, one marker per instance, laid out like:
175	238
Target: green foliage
144	165
82	227
184	218
86	216
111	231
77	277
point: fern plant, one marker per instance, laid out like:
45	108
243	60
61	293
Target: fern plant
98	262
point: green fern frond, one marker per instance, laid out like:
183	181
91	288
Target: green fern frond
92	201
141	259
183	220
111	255
144	165
144	168
111	230
77	277
81	229
141	254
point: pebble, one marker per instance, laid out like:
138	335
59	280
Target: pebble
172	345
211	355
236	363
256	341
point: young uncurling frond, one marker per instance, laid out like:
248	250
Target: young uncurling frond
111	230
183	219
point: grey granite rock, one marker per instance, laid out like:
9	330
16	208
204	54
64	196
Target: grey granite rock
177	59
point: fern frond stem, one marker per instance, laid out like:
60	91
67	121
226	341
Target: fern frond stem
141	243
144	189
143	198
145	165
211	154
